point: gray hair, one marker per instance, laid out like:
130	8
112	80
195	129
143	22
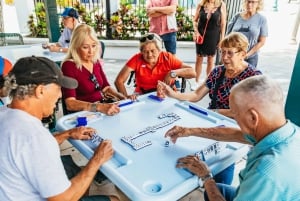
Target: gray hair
17	91
156	40
261	90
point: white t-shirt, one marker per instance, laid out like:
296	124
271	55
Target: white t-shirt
30	165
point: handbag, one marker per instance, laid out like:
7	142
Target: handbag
200	39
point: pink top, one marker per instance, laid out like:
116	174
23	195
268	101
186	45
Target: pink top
159	25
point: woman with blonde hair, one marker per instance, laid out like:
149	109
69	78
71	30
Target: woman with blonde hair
209	23
253	25
83	64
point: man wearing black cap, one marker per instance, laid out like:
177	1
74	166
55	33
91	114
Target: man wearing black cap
30	163
70	20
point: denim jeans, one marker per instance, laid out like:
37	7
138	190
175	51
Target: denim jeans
225	176
227	191
170	42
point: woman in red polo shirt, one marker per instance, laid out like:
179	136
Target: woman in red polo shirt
150	65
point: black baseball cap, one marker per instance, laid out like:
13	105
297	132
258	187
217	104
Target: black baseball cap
40	70
70	12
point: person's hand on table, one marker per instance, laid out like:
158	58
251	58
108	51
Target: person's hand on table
194	165
103	152
81	133
109	108
164	89
133	97
176	132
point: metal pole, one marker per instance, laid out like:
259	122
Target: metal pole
52	20
108	29
296	27
275	6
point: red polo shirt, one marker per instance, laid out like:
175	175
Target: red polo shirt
146	78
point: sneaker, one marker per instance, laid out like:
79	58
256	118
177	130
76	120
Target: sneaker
194	87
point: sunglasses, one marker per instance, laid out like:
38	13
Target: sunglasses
229	53
148	37
95	81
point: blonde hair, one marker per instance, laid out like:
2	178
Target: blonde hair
235	40
259	7
80	33
156	40
217	2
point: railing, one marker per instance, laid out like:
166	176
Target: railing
93	12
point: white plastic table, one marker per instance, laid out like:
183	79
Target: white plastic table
15	52
149	173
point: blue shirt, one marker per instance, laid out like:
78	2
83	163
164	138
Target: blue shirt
65	38
272	169
253	28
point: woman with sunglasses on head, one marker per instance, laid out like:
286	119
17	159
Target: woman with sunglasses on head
218	84
253	25
150	65
83	64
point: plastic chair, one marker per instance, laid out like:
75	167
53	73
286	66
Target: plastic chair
181	86
11	39
103	49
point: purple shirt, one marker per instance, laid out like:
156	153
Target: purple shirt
86	90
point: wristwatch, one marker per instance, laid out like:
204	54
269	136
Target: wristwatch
173	74
94	107
202	180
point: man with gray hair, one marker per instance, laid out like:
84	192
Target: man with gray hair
257	104
30	163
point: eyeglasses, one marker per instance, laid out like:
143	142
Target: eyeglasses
253	2
148	37
229	53
95	81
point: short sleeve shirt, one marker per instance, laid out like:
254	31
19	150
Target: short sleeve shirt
30	163
146	78
271	172
226	84
252	28
65	38
86	90
159	24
